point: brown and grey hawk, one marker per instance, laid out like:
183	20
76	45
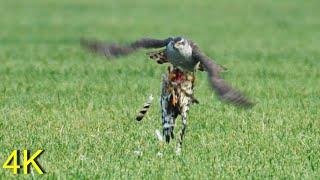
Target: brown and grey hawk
185	58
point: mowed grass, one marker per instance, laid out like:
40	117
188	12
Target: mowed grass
80	108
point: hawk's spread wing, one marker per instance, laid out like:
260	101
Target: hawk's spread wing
223	90
113	50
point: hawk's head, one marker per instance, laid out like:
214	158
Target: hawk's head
181	45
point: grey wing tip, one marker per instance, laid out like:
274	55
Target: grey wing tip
245	103
89	44
237	99
96	47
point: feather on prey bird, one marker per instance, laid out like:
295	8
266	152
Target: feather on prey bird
180	52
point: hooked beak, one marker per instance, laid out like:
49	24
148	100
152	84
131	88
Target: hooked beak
175	45
179	43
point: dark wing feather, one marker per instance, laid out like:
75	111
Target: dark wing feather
114	50
221	87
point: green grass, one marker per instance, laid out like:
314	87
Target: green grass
80	108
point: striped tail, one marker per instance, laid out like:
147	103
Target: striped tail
145	108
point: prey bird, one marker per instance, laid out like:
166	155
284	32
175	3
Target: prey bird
185	58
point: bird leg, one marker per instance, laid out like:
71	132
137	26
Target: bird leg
182	132
186	98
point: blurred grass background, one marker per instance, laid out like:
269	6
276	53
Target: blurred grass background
80	108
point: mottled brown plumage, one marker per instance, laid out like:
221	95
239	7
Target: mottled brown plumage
159	56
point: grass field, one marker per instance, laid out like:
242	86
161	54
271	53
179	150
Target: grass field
80	108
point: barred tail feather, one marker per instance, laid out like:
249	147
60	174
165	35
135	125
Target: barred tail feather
145	109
